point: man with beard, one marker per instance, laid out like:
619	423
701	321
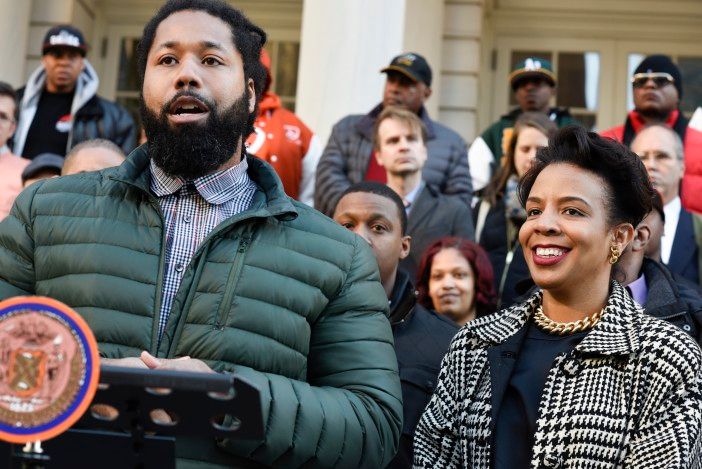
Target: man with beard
657	89
190	256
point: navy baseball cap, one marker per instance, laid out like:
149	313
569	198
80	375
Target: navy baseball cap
412	65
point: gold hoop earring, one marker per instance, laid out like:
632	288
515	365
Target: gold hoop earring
614	255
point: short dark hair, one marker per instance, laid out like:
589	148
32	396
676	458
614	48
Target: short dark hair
629	190
7	90
247	37
372	187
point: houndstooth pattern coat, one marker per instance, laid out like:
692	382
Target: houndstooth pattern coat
627	396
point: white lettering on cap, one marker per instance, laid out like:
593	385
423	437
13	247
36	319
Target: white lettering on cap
64	38
531	64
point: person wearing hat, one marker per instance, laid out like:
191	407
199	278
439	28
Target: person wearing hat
534	84
657	89
44	166
349	156
59	106
285	142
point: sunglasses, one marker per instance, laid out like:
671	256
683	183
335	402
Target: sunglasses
660	79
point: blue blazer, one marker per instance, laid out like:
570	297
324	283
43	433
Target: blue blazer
684	258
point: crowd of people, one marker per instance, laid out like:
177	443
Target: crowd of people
399	297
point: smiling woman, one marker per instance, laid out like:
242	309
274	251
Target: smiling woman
577	372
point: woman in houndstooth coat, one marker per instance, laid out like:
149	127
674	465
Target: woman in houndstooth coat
576	376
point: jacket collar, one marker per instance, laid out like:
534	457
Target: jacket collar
617	332
663	298
269	201
402	299
366	124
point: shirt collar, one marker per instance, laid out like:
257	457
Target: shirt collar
409	198
638	290
216	188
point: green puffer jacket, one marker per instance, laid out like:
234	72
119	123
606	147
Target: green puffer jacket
278	294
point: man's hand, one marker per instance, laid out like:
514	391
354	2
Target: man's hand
179	364
130	362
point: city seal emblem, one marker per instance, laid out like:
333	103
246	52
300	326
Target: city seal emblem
49	368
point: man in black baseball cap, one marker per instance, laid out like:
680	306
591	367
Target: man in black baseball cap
59	107
349	157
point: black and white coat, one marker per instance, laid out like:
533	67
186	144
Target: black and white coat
627	396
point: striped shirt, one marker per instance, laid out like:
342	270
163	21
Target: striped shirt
191	210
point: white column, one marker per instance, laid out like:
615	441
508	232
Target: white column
14	24
344	44
423	34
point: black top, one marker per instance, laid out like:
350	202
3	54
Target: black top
51	125
422	338
516	421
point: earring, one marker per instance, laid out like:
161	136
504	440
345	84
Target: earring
615	253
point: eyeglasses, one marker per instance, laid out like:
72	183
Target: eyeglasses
660	79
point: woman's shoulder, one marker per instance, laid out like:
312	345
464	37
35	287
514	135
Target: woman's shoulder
494	328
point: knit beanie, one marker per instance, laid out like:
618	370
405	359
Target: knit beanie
661	64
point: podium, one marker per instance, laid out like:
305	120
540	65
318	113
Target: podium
141	413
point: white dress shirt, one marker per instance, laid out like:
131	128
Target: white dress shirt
672	216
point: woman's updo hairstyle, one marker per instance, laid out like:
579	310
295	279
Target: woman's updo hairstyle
629	190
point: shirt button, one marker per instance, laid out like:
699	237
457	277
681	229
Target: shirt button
186	218
687	328
179	268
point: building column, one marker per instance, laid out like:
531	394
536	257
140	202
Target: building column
14	24
345	43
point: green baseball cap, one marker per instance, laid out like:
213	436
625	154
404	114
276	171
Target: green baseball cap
532	66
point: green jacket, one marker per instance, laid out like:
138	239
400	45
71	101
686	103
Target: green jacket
279	294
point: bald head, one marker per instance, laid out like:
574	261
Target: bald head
661	151
93	155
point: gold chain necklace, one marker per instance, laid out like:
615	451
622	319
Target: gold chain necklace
562	328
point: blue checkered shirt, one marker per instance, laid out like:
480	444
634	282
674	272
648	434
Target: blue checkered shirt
191	210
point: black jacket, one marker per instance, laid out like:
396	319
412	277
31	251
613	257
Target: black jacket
422	338
493	239
100	118
432	216
673	298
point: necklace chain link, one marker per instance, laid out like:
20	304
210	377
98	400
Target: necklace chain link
562	328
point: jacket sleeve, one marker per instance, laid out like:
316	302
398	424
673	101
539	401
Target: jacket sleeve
669	430
436	439
17	248
458	180
331	178
349	413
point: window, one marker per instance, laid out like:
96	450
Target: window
128	88
285	56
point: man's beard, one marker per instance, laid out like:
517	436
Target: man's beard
193	150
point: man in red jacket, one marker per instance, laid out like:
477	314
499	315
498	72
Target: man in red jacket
284	141
657	86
